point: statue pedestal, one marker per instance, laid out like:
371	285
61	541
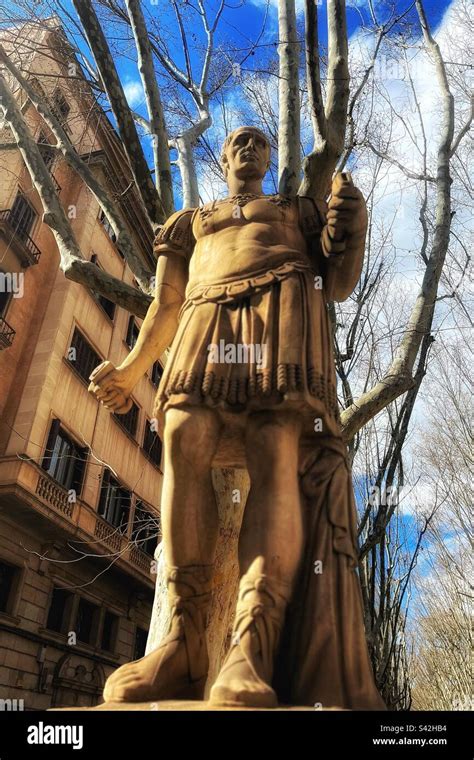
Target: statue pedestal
176	704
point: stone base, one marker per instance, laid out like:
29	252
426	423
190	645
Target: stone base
176	704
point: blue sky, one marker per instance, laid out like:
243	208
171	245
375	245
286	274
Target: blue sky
238	29
240	26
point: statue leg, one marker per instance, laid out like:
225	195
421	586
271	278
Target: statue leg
178	668
270	548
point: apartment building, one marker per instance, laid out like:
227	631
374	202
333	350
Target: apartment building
79	487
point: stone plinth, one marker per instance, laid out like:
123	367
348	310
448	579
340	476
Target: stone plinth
176	704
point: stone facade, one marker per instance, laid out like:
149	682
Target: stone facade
79	489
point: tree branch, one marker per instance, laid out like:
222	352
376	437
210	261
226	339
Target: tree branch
154	105
319	165
125	123
71	260
65	147
338	72
399	165
464	130
398	378
289	160
313	72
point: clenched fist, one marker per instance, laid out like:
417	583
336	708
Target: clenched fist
347	213
112	386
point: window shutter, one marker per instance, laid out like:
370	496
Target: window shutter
104	491
53	434
79	469
131	323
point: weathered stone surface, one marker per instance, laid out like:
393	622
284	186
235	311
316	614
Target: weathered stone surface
243	286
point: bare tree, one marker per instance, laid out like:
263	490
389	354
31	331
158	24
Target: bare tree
381	362
441	629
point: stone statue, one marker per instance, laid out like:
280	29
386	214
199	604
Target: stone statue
241	297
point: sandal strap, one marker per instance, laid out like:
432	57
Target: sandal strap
261	607
189	594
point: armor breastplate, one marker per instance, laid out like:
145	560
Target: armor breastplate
218	273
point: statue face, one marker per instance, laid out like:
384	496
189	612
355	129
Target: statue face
247	154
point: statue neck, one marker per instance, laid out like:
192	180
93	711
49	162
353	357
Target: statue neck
238	186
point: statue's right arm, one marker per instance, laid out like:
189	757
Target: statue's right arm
173	246
161	320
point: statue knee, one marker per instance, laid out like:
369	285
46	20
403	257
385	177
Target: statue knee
191	435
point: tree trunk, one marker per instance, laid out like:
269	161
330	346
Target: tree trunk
187	169
227	483
289	152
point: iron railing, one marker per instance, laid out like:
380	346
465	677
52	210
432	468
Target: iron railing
7	333
30	246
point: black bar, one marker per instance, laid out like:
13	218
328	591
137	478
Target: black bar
294	734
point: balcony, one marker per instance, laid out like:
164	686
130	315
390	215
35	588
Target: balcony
7	333
27	491
25	248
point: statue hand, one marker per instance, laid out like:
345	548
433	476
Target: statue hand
347	212
112	386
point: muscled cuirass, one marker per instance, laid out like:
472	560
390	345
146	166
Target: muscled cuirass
244	242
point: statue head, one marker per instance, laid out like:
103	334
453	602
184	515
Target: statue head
246	153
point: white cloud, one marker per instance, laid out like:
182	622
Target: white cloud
398	197
134	92
299	4
274	4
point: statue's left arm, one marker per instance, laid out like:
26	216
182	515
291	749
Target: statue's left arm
339	238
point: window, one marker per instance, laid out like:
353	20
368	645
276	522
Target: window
8	574
64	460
152	445
22	216
86	621
132	333
156	374
109	632
107	305
129	421
61	107
82	356
59	610
140	643
145	529
107	226
47	151
114	502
